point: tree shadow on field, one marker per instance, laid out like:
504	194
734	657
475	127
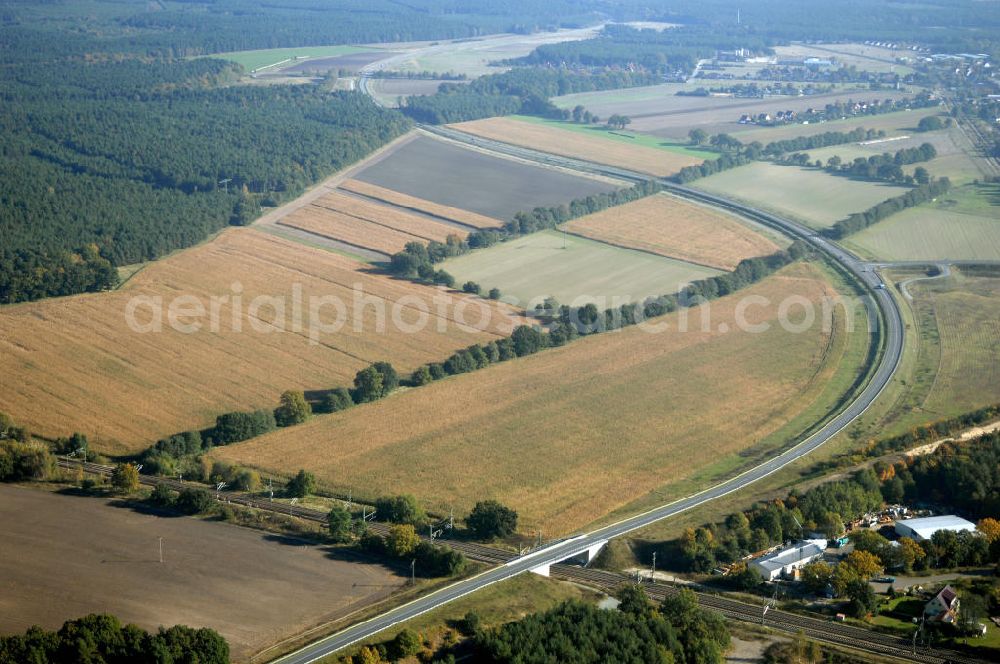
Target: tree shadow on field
141	507
288	540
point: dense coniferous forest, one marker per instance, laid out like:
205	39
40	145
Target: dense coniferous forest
114	162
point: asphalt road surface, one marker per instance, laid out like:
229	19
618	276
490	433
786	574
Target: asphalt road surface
888	321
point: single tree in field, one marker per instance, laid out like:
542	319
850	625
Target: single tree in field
490	519
301	485
698	136
294	409
578	113
390	379
367	385
402	540
339	523
338	399
125	478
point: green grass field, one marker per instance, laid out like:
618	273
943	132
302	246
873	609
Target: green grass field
551	263
627	137
951	368
807	194
262	58
962	225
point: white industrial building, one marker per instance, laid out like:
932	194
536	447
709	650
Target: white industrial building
785	562
922	529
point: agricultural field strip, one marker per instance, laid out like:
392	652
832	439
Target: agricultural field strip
393	289
100	360
399	199
466	228
669	226
567	266
384	215
569	485
576	144
328	224
447	172
105	560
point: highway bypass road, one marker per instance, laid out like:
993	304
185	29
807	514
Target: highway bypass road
887	320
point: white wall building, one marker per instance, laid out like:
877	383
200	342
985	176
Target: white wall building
785	562
922	529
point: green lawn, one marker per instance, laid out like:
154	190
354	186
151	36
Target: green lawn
269	56
551	263
627	137
962	224
809	195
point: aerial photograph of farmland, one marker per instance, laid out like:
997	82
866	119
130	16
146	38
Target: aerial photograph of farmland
520	332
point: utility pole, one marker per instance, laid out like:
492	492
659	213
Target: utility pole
652	569
161	550
413	572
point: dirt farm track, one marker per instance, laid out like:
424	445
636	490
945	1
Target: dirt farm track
253	588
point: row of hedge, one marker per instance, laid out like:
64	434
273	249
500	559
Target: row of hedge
873	215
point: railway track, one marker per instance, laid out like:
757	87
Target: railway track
472	550
856	638
821	630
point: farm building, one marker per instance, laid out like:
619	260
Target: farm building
922	529
785	562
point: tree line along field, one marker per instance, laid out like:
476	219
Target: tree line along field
954	158
893	124
107	560
807	194
565	266
455	176
962	225
368	224
659	111
672	227
74	364
589	143
573	433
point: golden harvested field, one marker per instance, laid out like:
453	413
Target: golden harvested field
573	433
367	224
668	226
406	201
578	146
390	216
74	364
344	228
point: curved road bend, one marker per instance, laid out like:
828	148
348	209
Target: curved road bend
891	325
